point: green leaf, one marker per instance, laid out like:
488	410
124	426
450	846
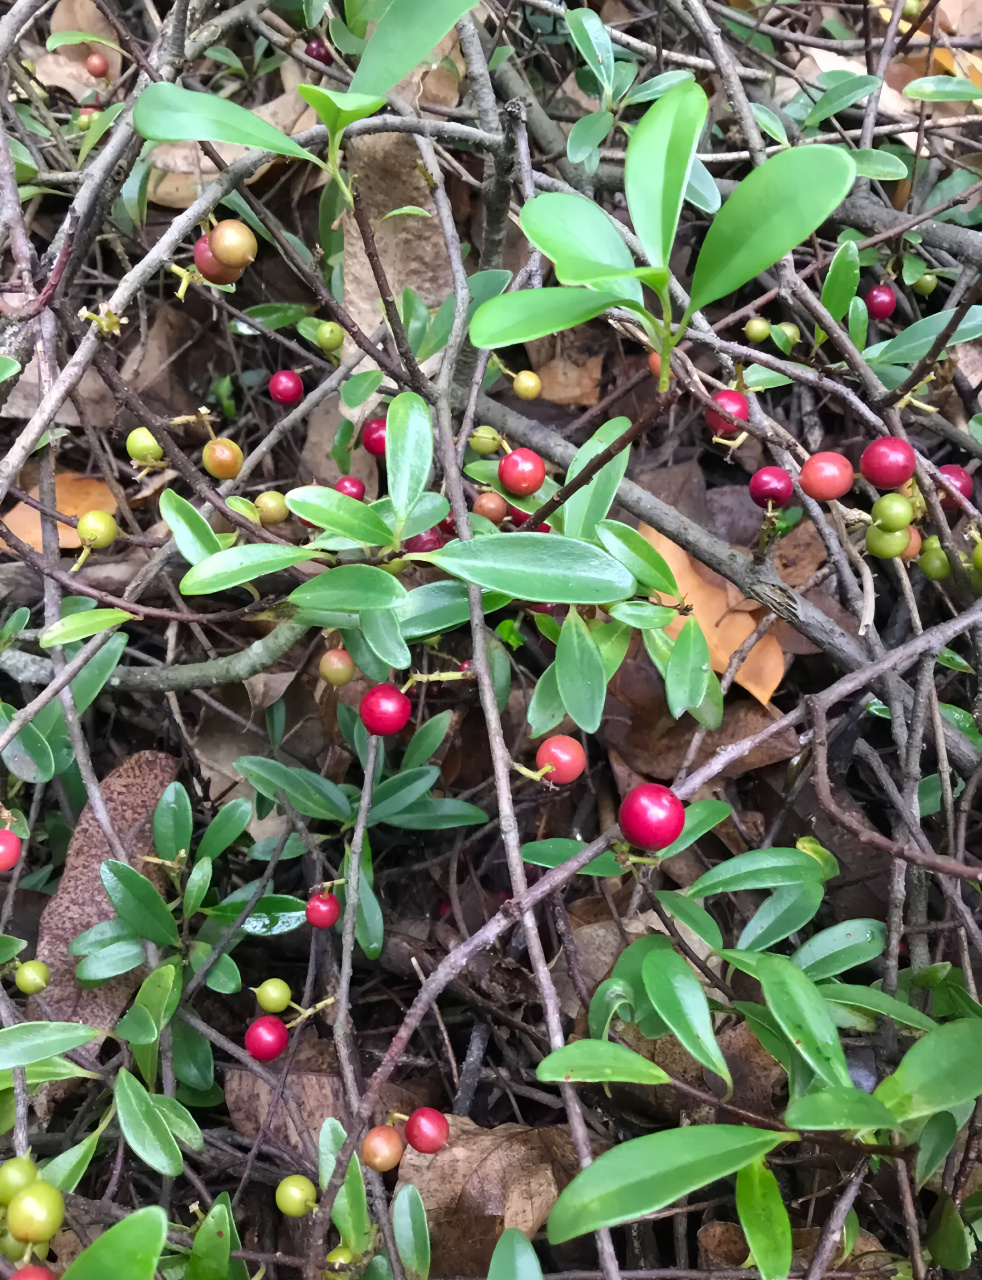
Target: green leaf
111	961
137	1026
131	1248
581	240
173	822
802	1015
688	670
179	1120
593	41
647	1174
951	1246
545	710
785	911
408	451
380	629
90	681
428	814
841	947
874	1001
411	1233
771	211
580	673
764	1220
656	87
942	89
844	1107
349	588
29	1042
842	280
757	378
858	323
936	1140
8	367
225	828
195	538
158	996
758	869
404	210
349	1212
101	124
938	1073
535	313
842	95
770	123
329	1143
882	165
28	757
194	1062
679	1000
637	555
588	132
514	1258
311	795
440	606
58	38
210	1251
137	902
399	792
657	166
273	914
79	626
236	565
426	740
589	1061
589	505
914	342
554	852
196	889
691	914
638	613
144	1128
167	113
405	34
67	1169
360	386
537	567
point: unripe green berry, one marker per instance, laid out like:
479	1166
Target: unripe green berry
296	1196
97	529
792	331
484	440
926	284
329	336
933	563
274	995
757	329
893	512
142	447
15	1174
272	507
32	976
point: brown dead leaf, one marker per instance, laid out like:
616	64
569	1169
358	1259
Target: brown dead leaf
723	1244
268	687
483	1181
566	382
64	68
799	554
96	399
724	627
75	495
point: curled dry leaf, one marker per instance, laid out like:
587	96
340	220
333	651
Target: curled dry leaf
64	67
75	495
483	1181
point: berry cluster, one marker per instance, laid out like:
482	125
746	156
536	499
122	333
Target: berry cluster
32	1213
223	254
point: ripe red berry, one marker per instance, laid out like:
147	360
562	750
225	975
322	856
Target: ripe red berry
351	486
565	754
286	387
448	527
888	462
319	52
427	1130
222	458
382	1148
429	540
733	402
97	65
771	484
960	479
323	911
266	1038
211	269
651	816
385	709
33	1273
521	471
826	476
10	849
520	518
373	436
881	301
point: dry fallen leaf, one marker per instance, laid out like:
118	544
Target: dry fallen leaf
568	382
75	495
724	626
483	1181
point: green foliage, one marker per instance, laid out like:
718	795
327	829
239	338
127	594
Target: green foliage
411	1232
167	113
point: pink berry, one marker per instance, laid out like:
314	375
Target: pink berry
429	540
373	436
266	1038
351	486
323	911
286	387
888	462
771	484
427	1130
10	849
318	51
385	709
651	816
881	301
733	402
521	472
959	479
565	754
826	476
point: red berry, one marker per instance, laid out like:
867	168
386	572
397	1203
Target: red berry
373	436
323	911
771	484
651	816
427	1130
10	850
826	476
521	471
881	301
520	518
286	387
448	527
430	540
733	402
385	709
33	1273
959	479
888	462
266	1038
319	52
565	754
351	486
97	65
211	269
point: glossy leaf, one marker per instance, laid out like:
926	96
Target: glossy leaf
581	240
337	108
137	1026
167	113
349	1212
764	1220
843	1107
914	342
349	588
637	555
554	852
803	1016
404	36
785	911
949	1243
771	211
593	41
312	795
536	313
770	123
688	670
144	1128
759	869
858	322
935	1141
879	164
537	567
647	1174
397	793
159	994
873	1001
130	1248
842	280
408	451
225	828
942	89
179	1120
172	822
514	1258
91	680
411	1232
440	606
210	1251
689	913
655	88
657	166
198	884
236	565
680	1001
137	902
273	914
426	740
111	961
546	709
840	947
360	386
195	538
29	1042
701	189
580	673
589	505
28	757
596	1061
380	629
79	626
842	95
588	132
68	1168
938	1073
194	1061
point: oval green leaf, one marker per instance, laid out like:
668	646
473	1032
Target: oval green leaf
195	538
536	313
138	903
131	1248
580	673
679	1000
840	947
408	451
79	626
764	1220
803	1016
938	1073
350	588
594	1061
144	1128
537	567
759	869
839	1108
233	567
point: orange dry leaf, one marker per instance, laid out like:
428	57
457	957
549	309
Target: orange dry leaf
75	495
721	611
